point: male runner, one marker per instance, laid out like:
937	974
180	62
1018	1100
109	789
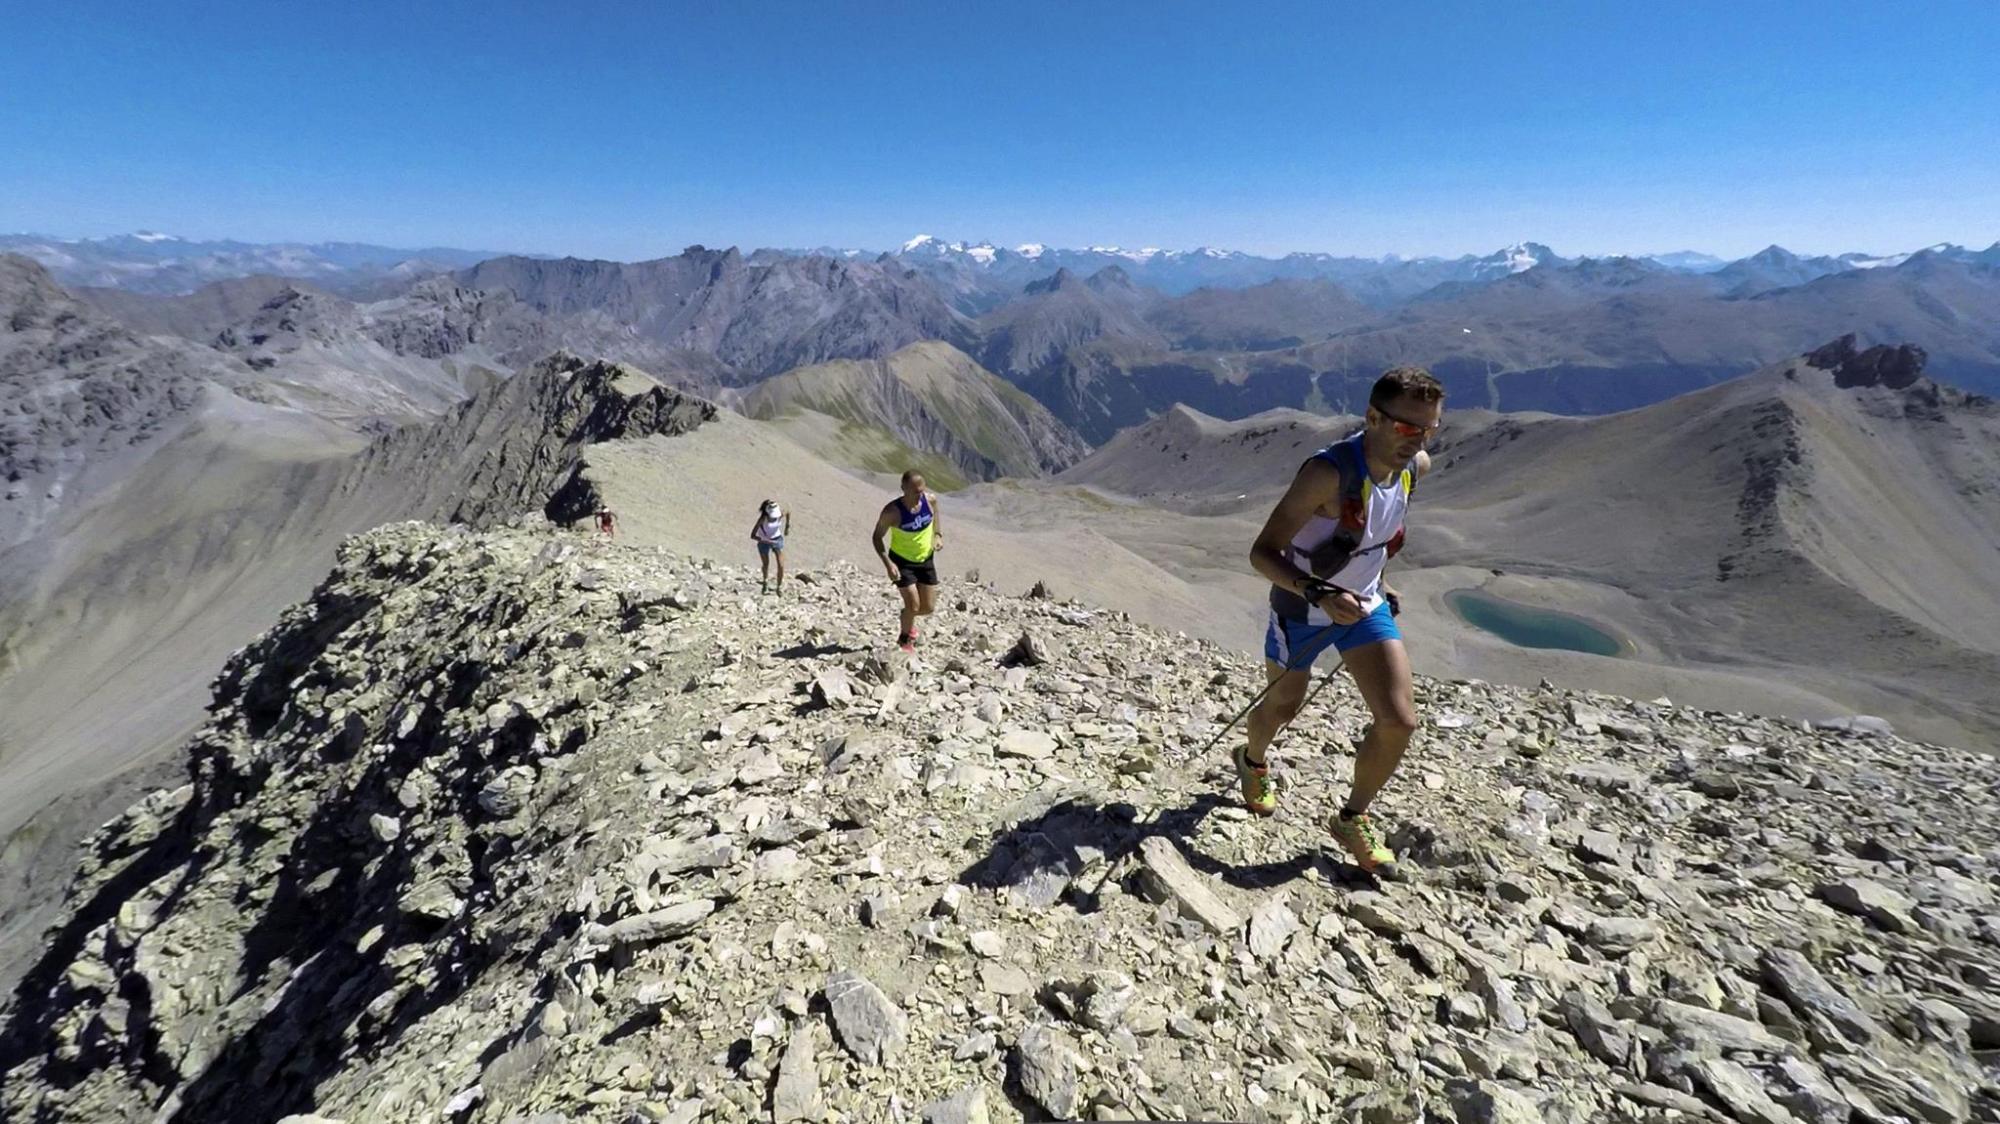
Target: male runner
1324	548
910	523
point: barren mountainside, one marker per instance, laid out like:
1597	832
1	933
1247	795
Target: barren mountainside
932	398
761	319
80	397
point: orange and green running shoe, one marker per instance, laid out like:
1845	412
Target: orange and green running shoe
1363	840
1260	792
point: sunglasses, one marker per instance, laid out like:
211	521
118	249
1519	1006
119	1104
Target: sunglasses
1407	429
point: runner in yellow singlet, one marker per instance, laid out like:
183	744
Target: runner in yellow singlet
910	525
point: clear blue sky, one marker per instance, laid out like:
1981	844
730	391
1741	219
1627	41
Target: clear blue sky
632	130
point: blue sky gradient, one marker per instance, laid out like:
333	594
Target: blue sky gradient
630	131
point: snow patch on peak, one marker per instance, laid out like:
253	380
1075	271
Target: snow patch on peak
1031	249
918	242
1523	256
155	236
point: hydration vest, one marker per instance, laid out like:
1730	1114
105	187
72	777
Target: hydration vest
1331	555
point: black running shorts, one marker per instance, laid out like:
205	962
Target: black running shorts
913	573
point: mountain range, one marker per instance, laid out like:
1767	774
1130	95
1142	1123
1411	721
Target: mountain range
150	262
1100	337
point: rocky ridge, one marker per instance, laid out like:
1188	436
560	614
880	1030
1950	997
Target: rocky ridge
516	826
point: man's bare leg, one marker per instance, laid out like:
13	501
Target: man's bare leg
909	617
1278	708
1382	674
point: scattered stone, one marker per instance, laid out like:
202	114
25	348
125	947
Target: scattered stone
1271	927
1489	1102
1045	1069
1602	847
505	795
1607	777
1741	1093
832	688
1005	979
1872	900
1604	1037
1373	911
652	928
432	900
1619	936
872	1028
1169	876
1028	745
796	1094
1801	985
1716	785
967	1106
1857	725
1031	650
1724	1031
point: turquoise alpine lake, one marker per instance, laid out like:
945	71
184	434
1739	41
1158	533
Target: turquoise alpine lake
1528	627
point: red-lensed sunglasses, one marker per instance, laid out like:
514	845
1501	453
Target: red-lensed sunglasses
1407	429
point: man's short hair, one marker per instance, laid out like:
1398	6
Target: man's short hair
1406	382
910	474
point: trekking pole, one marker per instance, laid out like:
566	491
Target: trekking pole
1313	587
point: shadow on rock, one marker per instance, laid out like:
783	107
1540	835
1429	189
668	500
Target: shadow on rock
1049	850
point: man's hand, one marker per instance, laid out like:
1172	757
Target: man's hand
891	568
1340	605
1394	599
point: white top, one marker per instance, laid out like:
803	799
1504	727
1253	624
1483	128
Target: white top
1363	573
773	525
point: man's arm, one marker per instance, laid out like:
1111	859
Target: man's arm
883	522
1316	484
937	525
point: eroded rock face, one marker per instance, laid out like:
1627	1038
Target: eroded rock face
493	829
1895	368
79	392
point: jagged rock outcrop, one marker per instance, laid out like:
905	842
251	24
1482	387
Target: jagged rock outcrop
1895	368
518	446
511	826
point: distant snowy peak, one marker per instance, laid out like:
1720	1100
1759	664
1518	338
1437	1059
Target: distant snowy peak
1518	258
1869	261
986	253
155	236
933	246
1687	261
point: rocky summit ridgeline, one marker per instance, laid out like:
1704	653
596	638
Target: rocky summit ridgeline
518	826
